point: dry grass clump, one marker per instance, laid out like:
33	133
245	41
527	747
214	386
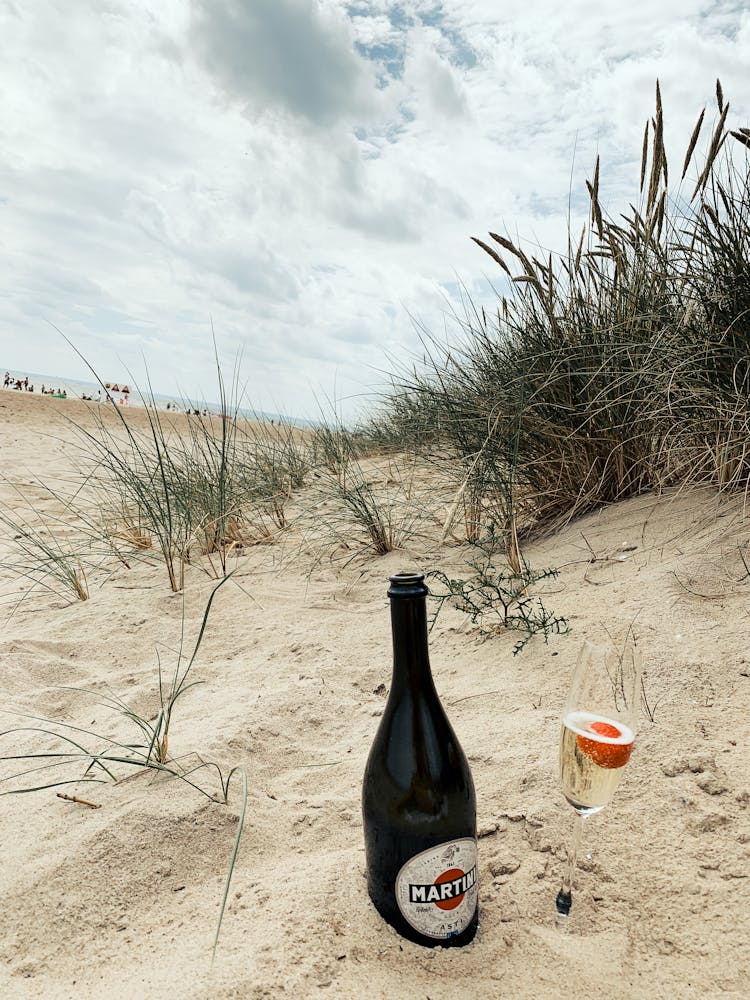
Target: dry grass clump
208	484
50	539
358	504
618	368
42	556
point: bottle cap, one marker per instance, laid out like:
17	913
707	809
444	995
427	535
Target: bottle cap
408	584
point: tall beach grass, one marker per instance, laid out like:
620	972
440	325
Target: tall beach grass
616	368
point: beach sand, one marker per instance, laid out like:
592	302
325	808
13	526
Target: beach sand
122	900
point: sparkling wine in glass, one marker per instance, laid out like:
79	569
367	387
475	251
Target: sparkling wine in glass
596	739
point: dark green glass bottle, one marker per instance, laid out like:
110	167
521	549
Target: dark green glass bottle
418	802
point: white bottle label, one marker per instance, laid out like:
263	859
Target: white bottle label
436	890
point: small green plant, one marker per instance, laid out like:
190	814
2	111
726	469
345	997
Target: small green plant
496	600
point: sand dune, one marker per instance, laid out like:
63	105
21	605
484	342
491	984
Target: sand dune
122	900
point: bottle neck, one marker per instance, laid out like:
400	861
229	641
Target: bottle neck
411	661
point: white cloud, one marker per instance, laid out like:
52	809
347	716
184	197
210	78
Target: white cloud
306	175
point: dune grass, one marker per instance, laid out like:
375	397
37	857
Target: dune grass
359	504
618	368
199	484
47	549
39	556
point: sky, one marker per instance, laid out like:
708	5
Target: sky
300	179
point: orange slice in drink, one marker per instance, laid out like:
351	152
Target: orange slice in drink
610	755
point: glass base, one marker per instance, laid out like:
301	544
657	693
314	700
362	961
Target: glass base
564	903
585	810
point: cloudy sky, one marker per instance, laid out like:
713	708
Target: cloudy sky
305	175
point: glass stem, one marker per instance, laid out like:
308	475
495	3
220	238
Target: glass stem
564	899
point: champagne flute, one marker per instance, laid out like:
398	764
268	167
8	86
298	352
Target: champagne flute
596	739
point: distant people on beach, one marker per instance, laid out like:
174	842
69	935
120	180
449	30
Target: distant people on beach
20	384
23	384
